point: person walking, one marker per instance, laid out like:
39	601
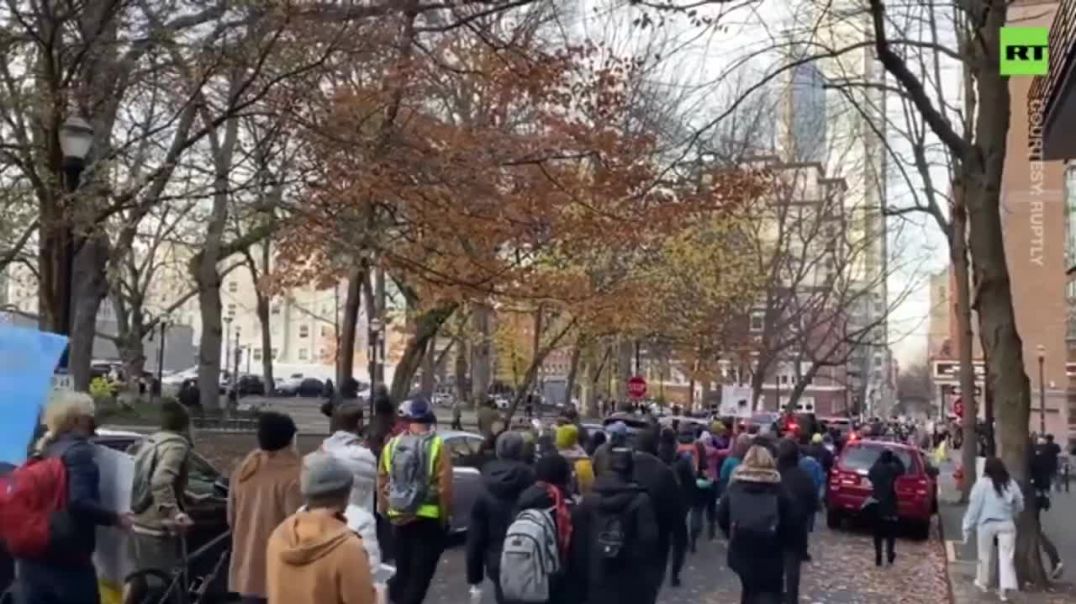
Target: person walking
346	446
670	510
487	419
552	492
755	515
567	441
158	498
690	469
503	479
457	414
820	452
64	573
617	528
312	555
882	504
739	448
415	491
263	491
800	489
994	504
617	435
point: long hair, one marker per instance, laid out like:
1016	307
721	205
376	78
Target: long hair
65	408
758	458
995	469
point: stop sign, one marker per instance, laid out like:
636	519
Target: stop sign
637	387
958	407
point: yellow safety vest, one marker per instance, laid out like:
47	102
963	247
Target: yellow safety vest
426	510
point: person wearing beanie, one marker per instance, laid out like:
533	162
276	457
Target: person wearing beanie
567	441
615	569
263	491
158	496
347	446
503	479
415	492
617	433
312	555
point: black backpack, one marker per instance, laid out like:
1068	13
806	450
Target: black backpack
753	517
615	531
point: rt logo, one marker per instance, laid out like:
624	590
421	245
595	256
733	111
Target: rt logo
1025	51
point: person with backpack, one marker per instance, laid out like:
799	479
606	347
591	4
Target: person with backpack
755	514
550	494
814	469
882	504
503	480
739	448
415	492
567	440
313	556
618	532
803	495
669	509
690	468
51	508
158	497
263	491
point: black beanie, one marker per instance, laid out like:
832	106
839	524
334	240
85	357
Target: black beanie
553	469
174	417
275	431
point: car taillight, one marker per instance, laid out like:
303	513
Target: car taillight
922	486
847	479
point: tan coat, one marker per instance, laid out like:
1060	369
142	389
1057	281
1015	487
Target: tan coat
314	558
264	491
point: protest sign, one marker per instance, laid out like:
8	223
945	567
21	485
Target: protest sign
27	360
110	558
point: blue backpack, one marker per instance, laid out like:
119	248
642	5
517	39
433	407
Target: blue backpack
814	470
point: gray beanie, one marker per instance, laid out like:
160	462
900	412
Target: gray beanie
324	476
510	445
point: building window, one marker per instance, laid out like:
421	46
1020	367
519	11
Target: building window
302	354
257	354
321	353
275	353
304	331
325	331
758	320
231	310
275	308
233	287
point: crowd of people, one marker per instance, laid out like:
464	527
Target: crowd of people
564	516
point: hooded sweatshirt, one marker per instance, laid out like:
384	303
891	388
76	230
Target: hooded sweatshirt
758	563
503	480
315	557
264	491
626	580
164	463
349	449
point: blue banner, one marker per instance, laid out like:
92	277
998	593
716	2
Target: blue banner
27	361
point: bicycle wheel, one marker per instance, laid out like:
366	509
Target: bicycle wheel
154	586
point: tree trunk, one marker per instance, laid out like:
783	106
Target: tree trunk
264	321
959	259
89	287
429	367
463	393
532	370
1000	340
624	352
426	326
345	360
573	372
481	353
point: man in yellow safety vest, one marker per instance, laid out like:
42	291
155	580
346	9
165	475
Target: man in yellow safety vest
415	492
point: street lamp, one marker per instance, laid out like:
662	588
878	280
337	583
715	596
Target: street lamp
160	355
374	328
76	138
1042	389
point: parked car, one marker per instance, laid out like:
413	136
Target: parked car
209	514
250	385
848	486
310	387
468	457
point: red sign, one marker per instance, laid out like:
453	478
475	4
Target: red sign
958	407
637	387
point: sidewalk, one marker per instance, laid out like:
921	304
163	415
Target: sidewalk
961	556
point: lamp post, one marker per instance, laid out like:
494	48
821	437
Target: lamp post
235	371
1042	389
227	342
374	330
76	139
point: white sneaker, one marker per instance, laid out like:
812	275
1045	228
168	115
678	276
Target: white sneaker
1002	596
980	586
1057	570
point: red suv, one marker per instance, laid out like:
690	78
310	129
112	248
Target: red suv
849	487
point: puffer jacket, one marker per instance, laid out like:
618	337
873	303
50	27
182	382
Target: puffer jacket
350	450
757	563
502	481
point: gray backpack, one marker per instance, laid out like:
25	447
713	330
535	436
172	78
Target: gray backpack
145	464
529	557
409	474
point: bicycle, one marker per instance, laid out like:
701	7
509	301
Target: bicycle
176	585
